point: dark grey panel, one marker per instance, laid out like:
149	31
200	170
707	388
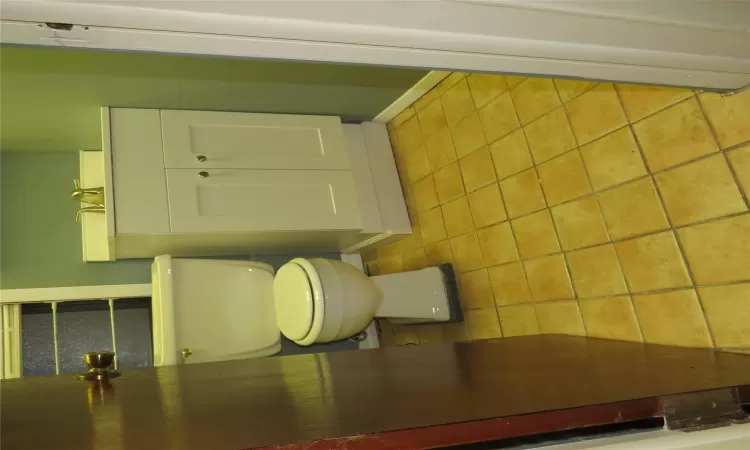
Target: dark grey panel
37	340
81	327
133	333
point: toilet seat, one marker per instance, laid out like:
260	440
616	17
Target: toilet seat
300	301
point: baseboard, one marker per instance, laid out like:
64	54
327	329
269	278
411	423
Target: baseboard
414	93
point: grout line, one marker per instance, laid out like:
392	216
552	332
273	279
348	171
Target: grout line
715	135
692	94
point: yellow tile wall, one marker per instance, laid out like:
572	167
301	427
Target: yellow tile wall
577	207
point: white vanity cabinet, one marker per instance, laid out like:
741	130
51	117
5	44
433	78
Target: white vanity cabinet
204	183
261	200
226	140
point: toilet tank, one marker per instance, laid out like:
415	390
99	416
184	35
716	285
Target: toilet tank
219	309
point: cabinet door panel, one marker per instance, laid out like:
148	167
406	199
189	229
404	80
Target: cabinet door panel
206	139
261	200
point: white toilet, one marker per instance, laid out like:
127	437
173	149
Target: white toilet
230	309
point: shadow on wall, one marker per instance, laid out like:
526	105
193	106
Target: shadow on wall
40	241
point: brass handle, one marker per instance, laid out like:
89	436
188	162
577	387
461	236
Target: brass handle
99	363
201	158
184	355
203	174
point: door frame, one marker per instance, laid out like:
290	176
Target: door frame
464	35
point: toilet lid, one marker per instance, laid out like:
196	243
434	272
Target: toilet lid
298	296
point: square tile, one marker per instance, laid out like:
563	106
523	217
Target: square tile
485	87
633	209
595	113
425	195
448	183
457	217
440	150
548	278
404	115
409	134
535	235
476	291
497	244
675	135
438	253
718	252
534	97
477	170
613	159
730	116
457	102
413	260
483	324
411	205
414	240
740	161
701	190
564	178
432	119
610	318
432	227
641	100
455	332
450	81
580	223
467	255
560	318
405	334
518	320
467	135
417	164
509	284
596	272
652	262
498	117
522	193
487	206
550	136
672	318
727	311
570	89
511	154
391	264
425	100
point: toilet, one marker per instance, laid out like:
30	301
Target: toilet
214	310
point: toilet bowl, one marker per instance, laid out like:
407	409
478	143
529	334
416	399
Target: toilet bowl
230	309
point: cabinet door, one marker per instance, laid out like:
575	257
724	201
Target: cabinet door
225	200
205	139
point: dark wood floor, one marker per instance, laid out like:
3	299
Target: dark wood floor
274	401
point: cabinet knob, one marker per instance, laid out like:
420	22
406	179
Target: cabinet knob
201	158
203	174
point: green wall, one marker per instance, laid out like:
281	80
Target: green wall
40	241
51	97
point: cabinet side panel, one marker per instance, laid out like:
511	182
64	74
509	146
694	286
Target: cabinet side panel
385	177
140	187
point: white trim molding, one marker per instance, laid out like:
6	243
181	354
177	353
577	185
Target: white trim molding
461	35
420	88
11	296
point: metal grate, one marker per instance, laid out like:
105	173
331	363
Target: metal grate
60	332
